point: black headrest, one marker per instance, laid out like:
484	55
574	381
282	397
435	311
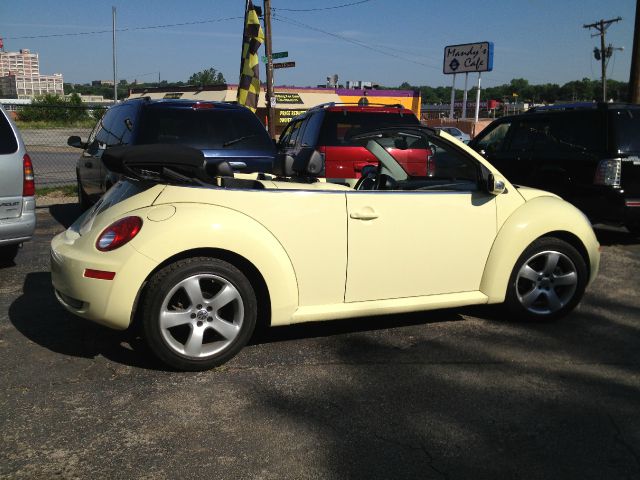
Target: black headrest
283	165
309	164
218	168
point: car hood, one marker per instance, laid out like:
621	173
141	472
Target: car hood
529	193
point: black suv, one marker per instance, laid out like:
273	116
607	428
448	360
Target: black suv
221	130
588	153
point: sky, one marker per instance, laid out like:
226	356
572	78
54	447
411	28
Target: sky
383	41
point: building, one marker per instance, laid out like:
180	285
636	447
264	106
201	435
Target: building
20	76
101	83
19	63
290	101
28	86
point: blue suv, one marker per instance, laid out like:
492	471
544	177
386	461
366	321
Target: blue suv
221	130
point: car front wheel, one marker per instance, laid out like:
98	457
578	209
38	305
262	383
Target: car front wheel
547	281
198	313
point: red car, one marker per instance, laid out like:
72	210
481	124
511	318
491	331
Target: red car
328	129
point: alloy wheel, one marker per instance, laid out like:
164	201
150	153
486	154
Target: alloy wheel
546	282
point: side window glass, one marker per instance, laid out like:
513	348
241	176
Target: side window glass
285	136
295	131
524	135
311	130
445	163
493	141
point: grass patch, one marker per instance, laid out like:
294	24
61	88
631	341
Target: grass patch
44	124
66	191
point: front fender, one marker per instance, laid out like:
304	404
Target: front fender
196	226
536	218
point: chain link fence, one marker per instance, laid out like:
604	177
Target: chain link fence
45	130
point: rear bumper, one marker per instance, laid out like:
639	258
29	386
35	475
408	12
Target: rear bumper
20	229
108	302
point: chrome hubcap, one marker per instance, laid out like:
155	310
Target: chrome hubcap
201	315
546	282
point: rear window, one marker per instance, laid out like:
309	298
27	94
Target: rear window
340	127
203	128
626	129
8	142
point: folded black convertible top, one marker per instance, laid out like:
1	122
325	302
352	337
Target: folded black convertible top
148	161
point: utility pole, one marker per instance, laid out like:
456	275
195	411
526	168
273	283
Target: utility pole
115	71
268	50
603	53
634	75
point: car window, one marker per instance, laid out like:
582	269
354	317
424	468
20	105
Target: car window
311	129
428	163
8	142
206	128
295	131
626	126
574	134
105	134
339	127
493	141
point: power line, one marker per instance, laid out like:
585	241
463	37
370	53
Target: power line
127	29
319	9
296	23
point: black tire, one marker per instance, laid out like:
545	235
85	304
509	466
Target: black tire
83	199
198	313
8	253
553	284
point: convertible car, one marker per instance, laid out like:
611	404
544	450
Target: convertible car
200	257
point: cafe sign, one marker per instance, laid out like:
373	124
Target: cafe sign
468	57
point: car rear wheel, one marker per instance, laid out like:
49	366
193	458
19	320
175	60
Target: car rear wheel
198	313
547	281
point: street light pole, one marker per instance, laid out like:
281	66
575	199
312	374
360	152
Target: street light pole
115	74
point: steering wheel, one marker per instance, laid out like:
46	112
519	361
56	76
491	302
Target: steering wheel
366	182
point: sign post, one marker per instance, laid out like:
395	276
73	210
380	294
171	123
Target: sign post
465	58
453	96
464	97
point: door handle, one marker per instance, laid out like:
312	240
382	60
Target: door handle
364	215
88	164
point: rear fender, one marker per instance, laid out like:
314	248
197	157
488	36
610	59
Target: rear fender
197	226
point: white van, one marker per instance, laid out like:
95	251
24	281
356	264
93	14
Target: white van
17	191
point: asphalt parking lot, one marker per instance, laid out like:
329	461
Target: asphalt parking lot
450	394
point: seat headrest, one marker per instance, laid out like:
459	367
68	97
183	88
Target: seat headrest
283	165
218	168
309	164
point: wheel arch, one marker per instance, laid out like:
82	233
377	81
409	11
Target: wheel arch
546	216
247	268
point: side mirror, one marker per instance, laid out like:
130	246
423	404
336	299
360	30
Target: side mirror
495	185
76	142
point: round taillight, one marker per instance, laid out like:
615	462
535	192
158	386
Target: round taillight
118	233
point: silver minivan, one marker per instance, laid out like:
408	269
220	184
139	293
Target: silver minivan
17	191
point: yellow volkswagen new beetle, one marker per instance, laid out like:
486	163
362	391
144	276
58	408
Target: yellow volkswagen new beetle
200	256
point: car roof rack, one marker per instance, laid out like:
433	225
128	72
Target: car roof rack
578	106
355	104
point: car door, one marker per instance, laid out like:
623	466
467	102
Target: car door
429	240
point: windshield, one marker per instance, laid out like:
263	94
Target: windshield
205	129
415	159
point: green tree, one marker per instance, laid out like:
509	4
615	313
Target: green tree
209	76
